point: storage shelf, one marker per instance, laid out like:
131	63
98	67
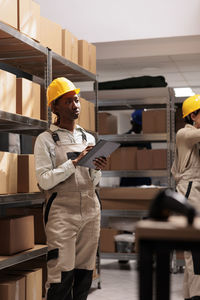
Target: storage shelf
74	72
20	199
136	173
129	98
20	124
8	261
131	138
119	256
20	51
123	213
27	55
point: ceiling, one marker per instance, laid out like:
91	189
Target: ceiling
177	59
128	37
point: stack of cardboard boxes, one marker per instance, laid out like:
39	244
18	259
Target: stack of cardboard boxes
132	158
24	15
23	97
21	284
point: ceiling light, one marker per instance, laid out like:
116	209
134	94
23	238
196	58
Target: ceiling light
183	92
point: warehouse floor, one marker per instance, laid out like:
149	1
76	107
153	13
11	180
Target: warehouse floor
120	282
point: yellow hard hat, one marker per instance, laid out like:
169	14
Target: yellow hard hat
190	105
59	87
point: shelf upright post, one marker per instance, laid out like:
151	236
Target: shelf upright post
168	109
96	105
48	78
173	134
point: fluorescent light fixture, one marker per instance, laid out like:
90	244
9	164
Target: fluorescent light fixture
183	92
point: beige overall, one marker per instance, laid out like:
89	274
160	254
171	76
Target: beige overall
186	171
72	218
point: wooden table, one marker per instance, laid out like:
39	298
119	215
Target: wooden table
155	241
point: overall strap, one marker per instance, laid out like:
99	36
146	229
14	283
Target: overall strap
84	137
54	135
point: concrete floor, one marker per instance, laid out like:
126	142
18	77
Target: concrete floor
120	282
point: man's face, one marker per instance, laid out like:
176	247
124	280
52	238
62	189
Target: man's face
68	106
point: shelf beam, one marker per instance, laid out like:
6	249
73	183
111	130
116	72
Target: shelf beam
8	261
136	173
131	138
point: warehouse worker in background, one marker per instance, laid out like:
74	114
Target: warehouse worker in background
136	122
72	208
186	171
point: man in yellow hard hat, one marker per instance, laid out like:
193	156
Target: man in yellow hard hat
72	208
186	171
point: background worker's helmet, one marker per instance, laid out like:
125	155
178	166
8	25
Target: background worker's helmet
58	87
190	105
136	116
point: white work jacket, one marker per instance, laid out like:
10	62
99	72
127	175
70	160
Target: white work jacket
47	173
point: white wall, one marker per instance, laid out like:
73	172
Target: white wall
117	20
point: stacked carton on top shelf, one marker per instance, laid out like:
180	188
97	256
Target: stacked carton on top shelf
8	12
87	55
29	18
69	46
51	35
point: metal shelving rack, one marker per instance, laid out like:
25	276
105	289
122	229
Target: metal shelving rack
26	58
129	99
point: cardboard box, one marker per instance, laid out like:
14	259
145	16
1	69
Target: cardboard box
8	12
7	92
27	98
8	173
16	234
87	115
107	242
29	18
37	212
159	159
107	123
154	121
12	288
128	198
30	266
144	159
152	159
33	283
107	168
84	117
124	158
92	58
51	35
83	54
69	46
26	178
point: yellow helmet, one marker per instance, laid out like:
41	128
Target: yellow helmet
190	105
59	87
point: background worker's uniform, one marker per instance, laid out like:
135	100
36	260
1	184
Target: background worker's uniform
186	171
72	212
